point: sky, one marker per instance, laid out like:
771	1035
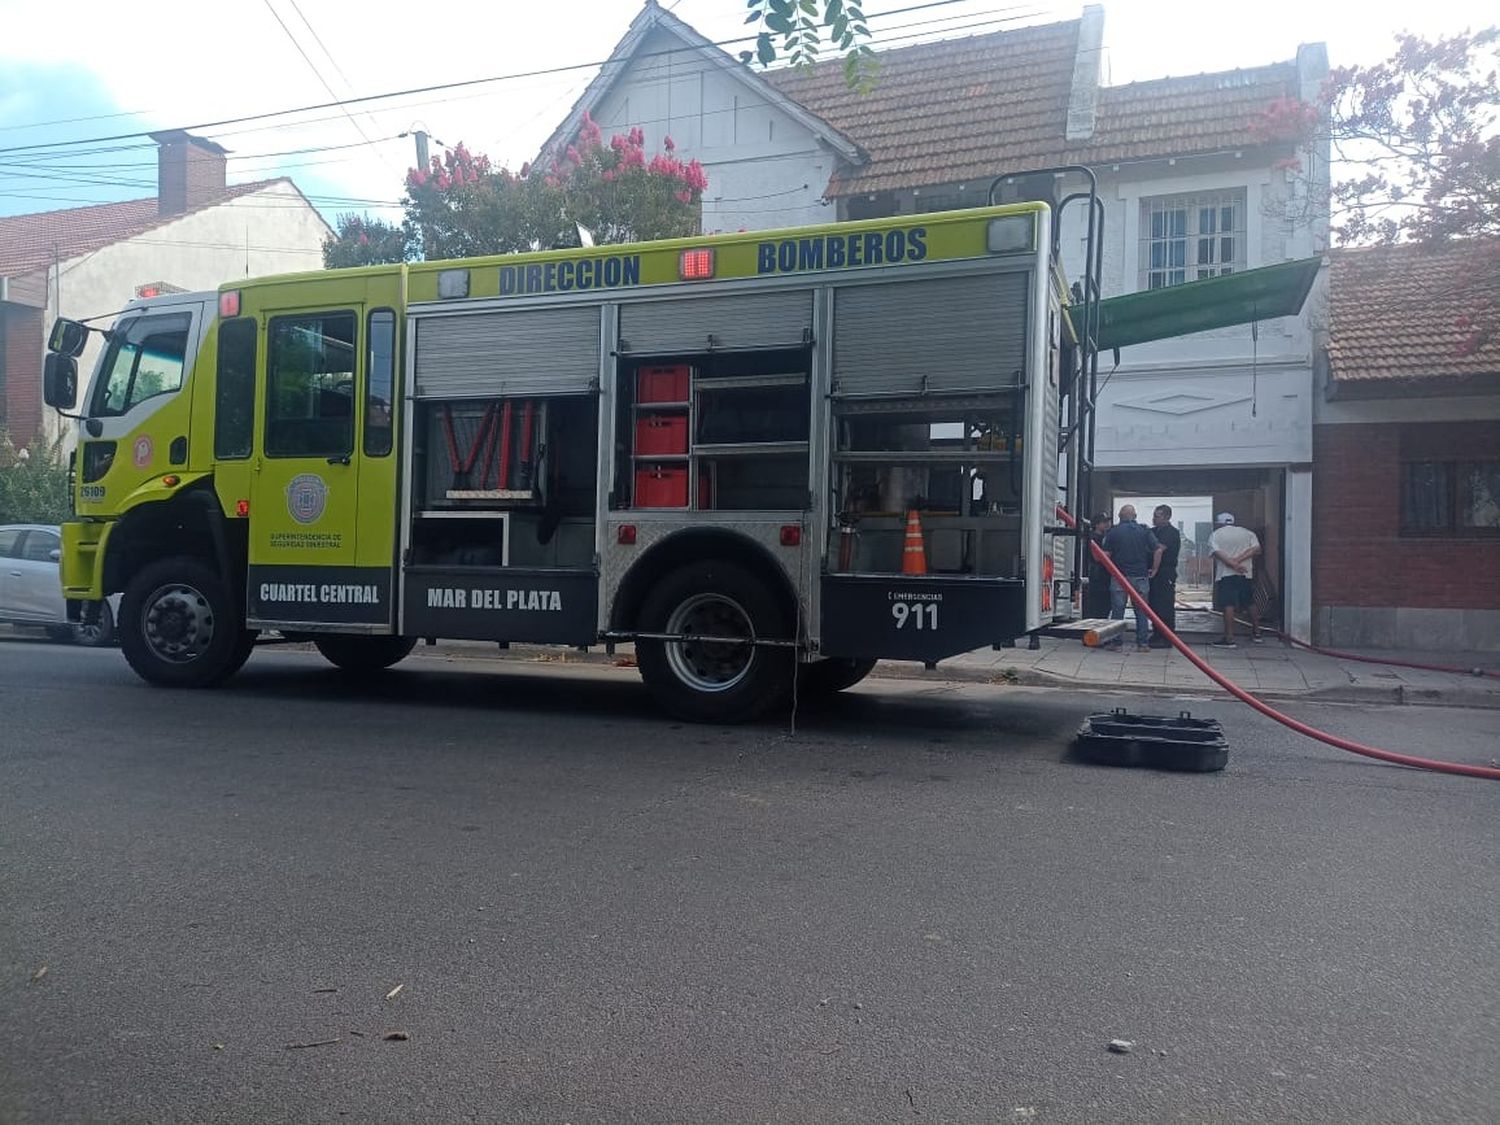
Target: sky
127	68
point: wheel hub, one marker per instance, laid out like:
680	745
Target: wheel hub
178	623
705	665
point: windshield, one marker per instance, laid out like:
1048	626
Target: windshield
144	358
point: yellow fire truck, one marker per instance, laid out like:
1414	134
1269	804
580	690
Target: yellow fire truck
758	457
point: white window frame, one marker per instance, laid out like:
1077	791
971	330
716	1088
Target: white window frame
1192	236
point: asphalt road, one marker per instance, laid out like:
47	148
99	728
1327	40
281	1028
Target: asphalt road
915	908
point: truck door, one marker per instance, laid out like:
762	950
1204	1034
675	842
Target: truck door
305	529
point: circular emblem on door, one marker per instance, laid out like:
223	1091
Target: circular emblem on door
142	450
306	497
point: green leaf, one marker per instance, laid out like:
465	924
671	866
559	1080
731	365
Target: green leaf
765	50
778	22
753	17
834	10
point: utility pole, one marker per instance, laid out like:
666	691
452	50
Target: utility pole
421	135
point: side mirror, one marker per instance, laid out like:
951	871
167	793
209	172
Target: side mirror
60	381
55	554
68	337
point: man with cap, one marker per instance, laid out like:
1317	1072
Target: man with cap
1233	548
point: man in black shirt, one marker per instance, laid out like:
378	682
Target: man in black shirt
1163	595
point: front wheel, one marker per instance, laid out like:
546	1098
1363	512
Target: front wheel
364	654
179	626
713	681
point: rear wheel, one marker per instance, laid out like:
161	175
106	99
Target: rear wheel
179	626
826	677
711	681
364	654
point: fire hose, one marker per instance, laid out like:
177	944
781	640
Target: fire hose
1489	773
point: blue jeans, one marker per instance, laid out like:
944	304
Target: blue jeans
1118	598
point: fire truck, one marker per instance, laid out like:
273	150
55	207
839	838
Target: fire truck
766	460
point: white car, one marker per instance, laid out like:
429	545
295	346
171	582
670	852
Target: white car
31	588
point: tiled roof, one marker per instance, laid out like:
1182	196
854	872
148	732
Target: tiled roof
30	242
1394	311
1184	116
956	110
967	109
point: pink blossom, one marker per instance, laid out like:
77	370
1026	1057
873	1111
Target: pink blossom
683	196
444	182
416	177
668	144
608	175
526	169
364	239
637	137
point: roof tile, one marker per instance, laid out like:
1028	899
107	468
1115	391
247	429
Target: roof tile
31	242
1394	311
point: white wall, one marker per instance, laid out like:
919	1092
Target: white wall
765	169
266	232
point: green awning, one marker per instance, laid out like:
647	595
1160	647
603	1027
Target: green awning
1218	302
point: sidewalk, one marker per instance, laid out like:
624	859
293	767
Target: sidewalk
1273	670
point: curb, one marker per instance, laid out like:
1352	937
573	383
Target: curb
1012	677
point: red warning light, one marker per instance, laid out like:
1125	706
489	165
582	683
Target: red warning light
229	303
625	536
242	508
696	265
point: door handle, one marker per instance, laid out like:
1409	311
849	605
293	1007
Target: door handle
15	574
340	460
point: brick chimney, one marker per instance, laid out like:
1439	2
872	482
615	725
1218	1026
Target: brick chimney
190	171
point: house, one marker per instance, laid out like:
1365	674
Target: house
82	262
1406	441
1188	191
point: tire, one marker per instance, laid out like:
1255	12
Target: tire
179	625
101	634
823	678
364	654
708	683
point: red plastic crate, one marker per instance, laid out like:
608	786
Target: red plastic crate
663	384
660	434
661	487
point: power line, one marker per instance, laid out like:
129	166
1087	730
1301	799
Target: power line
341	103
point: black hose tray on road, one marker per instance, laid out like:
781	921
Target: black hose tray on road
1118	738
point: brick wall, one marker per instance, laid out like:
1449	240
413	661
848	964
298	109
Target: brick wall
1360	557
22	361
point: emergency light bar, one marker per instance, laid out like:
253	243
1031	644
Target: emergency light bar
229	303
1011	234
696	265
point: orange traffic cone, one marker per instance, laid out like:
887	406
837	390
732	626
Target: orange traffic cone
914	556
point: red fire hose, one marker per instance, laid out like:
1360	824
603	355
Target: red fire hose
1488	772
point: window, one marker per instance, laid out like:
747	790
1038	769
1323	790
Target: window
380	382
310	385
9	537
1450	498
234	396
39	546
1191	237
144	359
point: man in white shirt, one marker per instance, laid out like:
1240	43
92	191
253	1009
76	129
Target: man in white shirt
1233	548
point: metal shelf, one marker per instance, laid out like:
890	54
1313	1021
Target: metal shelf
927	457
747	382
475	514
749	448
675	457
649	407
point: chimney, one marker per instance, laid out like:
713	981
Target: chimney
1083	101
190	171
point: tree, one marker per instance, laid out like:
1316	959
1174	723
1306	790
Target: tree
463	206
362	241
794	29
33	482
1416	139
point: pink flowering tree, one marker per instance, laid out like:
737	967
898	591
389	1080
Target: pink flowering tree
1415	145
463	206
359	240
